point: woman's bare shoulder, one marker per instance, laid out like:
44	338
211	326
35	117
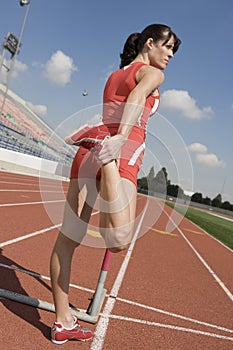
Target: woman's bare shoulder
151	73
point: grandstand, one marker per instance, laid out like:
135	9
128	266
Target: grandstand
21	130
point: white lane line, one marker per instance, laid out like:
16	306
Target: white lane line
31	184
37	275
18	239
215	276
34	191
168	326
21	238
147	307
172	314
214	238
103	322
30	203
221	216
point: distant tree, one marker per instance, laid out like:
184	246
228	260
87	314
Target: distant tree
217	201
206	201
197	197
226	205
175	191
143	183
161	184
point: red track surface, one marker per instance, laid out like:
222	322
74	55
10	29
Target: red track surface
176	292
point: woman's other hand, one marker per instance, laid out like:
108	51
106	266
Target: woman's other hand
110	150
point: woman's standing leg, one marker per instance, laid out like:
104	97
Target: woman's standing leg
77	213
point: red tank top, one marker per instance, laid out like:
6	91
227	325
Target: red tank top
118	87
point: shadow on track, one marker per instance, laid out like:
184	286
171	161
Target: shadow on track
11	282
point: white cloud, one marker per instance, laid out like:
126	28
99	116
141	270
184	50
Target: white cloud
37	64
181	101
197	147
40	110
19	67
203	157
59	68
210	160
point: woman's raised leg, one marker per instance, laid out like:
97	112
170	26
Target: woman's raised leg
118	205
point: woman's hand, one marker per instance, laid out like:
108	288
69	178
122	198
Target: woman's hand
110	150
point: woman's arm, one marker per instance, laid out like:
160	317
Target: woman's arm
149	79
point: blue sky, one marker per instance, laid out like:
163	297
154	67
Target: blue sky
69	46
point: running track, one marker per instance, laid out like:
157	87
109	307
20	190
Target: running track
172	290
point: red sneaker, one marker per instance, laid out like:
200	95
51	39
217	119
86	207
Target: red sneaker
88	136
60	334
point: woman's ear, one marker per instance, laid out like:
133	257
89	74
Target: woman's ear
150	43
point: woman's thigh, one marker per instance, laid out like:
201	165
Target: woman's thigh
81	197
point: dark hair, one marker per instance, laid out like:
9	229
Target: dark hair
135	42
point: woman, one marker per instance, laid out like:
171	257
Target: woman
108	162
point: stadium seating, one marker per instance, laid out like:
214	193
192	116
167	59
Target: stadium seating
21	130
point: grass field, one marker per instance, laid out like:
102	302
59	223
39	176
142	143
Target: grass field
218	227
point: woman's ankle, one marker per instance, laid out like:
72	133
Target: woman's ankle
66	320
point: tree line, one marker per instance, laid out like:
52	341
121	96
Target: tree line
160	184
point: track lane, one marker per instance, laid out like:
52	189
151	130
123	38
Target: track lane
216	255
146	272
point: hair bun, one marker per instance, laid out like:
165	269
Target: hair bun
130	49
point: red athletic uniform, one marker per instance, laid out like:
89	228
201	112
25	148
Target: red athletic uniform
118	87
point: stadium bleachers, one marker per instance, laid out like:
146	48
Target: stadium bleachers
21	130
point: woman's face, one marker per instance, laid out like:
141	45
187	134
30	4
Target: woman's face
159	54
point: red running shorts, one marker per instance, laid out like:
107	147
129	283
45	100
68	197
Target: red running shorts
84	164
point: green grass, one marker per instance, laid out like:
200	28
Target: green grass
217	227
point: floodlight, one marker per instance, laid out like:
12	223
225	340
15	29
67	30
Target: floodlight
11	43
24	2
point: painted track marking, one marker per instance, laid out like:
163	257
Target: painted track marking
31	203
213	274
221	216
21	238
37	275
33	234
172	314
178	328
130	302
162	232
103	322
194	231
147	307
29	184
161	325
34	191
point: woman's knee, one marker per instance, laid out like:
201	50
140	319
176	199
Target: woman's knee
66	242
117	238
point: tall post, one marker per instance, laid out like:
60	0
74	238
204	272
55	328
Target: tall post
13	56
2	59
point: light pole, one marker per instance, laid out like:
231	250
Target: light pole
12	45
